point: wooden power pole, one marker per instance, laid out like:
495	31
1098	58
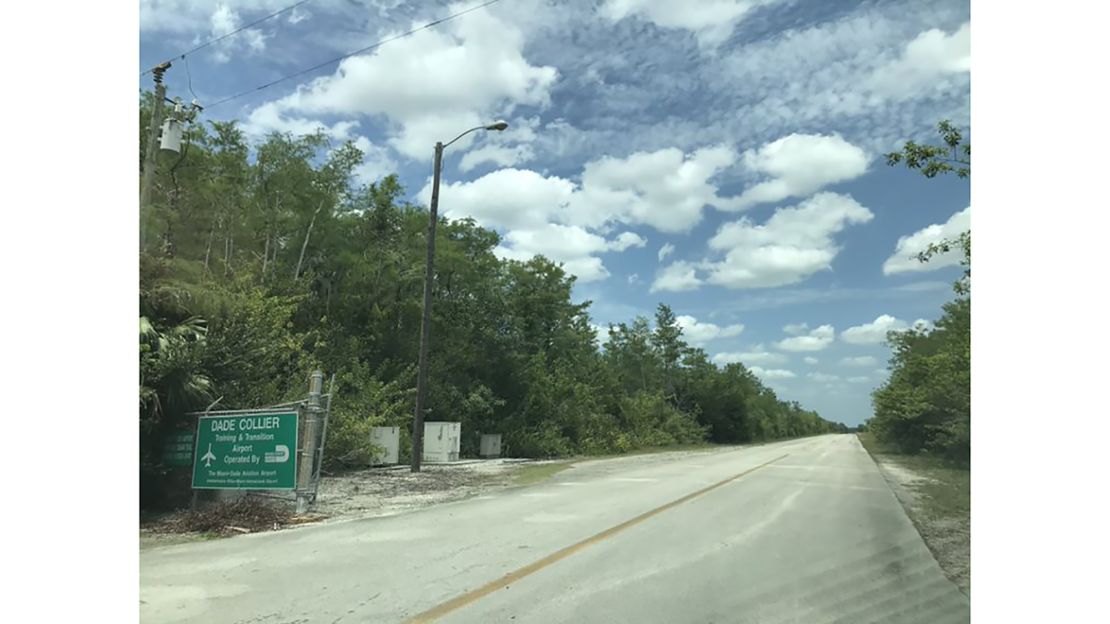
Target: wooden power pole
150	160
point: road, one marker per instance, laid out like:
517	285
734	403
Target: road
802	531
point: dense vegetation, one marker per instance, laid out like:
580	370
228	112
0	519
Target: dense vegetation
925	405
265	262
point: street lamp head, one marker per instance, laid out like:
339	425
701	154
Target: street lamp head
499	126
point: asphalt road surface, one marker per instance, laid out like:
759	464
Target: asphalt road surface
803	531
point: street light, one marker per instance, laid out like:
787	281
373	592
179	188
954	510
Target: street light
426	320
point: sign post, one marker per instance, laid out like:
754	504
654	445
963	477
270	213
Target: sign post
255	451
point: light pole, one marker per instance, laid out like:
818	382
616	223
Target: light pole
426	319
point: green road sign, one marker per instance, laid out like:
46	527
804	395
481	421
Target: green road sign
246	452
178	449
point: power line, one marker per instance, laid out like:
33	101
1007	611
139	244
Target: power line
234	32
350	54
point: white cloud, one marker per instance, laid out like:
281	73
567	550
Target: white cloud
771	373
298	15
859	379
376	164
860	361
796	329
602	333
874	332
506	198
634	278
793	244
268	118
931	55
811	360
666	189
799	165
665	251
699	333
711	21
190	16
904	258
223	21
760	355
723	359
924	325
471	71
626	240
508	148
572	246
816	340
823	377
678	277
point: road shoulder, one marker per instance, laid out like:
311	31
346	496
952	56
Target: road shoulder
937	498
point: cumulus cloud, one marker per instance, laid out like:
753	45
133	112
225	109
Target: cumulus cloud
859	379
666	189
904	258
931	55
793	244
823	377
811	360
711	21
506	198
376	161
678	277
814	340
471	71
860	361
665	251
771	373
699	333
572	246
796	329
757	355
874	332
799	165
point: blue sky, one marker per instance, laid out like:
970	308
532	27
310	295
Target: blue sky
720	156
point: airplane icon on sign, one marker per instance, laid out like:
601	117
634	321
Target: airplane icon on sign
208	457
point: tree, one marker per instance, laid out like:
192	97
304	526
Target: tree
953	156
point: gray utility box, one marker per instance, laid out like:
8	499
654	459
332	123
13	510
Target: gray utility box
490	445
441	441
388	441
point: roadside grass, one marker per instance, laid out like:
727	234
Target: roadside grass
530	474
940	508
946	492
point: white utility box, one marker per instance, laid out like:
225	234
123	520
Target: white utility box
441	441
490	445
388	441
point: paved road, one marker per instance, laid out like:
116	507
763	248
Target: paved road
804	531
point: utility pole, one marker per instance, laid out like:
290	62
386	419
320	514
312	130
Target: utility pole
426	319
150	161
307	466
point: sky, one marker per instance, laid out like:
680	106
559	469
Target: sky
724	157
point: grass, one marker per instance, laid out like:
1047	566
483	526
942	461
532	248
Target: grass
529	474
948	489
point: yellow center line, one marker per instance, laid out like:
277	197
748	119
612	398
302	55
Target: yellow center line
464	599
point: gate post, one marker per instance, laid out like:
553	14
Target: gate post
308	458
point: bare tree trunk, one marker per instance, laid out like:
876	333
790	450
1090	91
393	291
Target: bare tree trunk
266	255
304	246
208	248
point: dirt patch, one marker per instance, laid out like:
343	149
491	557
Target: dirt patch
388	491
